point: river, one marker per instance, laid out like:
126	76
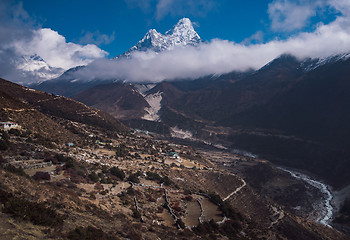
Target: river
326	211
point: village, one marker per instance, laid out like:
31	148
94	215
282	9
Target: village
134	174
141	179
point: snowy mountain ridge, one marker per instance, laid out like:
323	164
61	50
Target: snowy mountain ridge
182	34
311	64
33	66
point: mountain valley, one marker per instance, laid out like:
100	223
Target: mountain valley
95	177
253	154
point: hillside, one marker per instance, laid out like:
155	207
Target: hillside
120	100
290	111
60	107
118	184
294	117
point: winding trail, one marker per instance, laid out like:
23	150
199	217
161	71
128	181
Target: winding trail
18	110
237	190
278	212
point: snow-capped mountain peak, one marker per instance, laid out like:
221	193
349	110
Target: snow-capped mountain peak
151	34
182	34
310	64
34	68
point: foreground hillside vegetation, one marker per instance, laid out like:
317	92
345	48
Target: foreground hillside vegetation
73	172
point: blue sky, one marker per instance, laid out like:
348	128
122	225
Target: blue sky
238	35
117	25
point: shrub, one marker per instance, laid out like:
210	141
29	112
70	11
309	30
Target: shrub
115	171
4	141
166	180
180	223
18	171
177	208
229	229
37	213
3	145
189	198
93	177
2	160
14	132
225	207
121	151
62	158
134	178
98	186
42	176
130	191
88	233
4	135
153	176
136	214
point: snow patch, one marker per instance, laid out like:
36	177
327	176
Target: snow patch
185	134
154	102
36	67
179	133
244	153
143	88
311	64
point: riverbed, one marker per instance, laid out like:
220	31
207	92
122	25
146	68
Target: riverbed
325	208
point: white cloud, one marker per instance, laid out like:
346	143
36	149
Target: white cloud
289	15
257	37
215	57
56	51
21	36
220	56
342	6
96	38
14	24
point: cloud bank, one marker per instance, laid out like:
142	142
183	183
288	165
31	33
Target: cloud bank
220	56
288	16
96	38
21	36
56	51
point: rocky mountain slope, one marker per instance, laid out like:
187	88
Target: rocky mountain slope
291	111
295	105
122	101
283	112
302	101
53	106
119	184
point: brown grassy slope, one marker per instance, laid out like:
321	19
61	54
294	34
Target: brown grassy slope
29	118
59	106
76	212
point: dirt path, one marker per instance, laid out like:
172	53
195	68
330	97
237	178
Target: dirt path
277	216
19	110
237	190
